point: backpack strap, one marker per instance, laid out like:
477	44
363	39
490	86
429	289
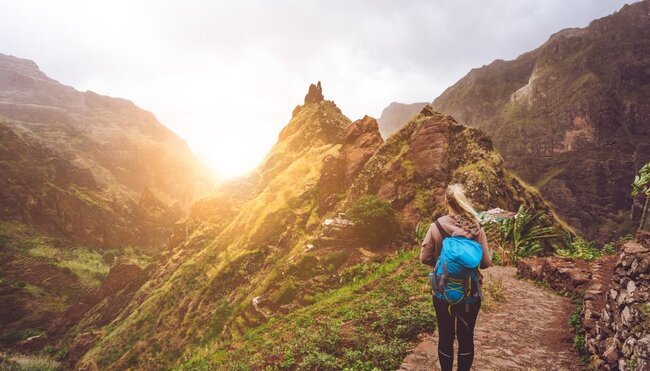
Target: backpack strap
444	234
442	230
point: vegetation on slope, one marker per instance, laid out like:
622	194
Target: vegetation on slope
369	323
42	275
375	220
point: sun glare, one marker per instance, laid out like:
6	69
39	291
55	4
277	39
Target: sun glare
233	155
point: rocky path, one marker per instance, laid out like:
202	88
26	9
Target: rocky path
528	330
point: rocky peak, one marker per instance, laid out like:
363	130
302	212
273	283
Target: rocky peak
367	126
315	94
312	122
428	111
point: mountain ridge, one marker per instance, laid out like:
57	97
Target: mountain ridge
259	247
570	116
89	185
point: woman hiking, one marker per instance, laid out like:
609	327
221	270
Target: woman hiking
456	317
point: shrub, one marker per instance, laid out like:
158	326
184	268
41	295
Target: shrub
109	257
375	220
493	292
286	293
583	249
575	321
336	260
305	267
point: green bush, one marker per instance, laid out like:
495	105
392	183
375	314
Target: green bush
583	249
109	257
336	259
375	220
305	267
286	293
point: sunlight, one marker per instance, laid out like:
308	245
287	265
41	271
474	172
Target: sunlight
232	154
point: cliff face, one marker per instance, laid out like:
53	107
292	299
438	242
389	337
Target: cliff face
572	116
255	248
93	148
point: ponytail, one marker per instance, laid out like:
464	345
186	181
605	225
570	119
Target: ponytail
458	202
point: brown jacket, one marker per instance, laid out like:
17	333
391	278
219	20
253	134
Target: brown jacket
432	243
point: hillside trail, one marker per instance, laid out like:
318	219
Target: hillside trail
528	330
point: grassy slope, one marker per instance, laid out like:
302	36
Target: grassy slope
370	322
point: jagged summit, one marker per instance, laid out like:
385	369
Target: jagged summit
428	111
315	94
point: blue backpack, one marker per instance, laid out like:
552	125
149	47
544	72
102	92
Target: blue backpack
455	277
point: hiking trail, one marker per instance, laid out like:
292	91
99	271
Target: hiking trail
527	330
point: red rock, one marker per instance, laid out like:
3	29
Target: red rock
360	142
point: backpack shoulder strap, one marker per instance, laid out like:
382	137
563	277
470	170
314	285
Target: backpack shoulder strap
442	230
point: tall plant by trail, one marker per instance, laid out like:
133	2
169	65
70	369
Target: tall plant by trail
421	230
519	237
641	187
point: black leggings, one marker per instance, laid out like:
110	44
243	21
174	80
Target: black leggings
460	322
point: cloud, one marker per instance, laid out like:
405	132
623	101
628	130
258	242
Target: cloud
226	75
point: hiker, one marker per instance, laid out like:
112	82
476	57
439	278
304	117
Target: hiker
456	307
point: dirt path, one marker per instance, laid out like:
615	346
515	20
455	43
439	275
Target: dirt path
526	331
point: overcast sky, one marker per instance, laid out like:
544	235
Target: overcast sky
225	76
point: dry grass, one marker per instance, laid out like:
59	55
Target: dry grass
18	361
493	292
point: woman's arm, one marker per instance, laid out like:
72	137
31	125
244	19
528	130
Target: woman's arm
487	259
428	245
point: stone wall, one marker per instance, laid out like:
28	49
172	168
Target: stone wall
621	336
616	310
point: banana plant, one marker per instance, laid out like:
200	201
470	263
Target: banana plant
641	187
522	234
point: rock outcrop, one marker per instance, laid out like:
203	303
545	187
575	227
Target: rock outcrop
105	302
571	117
412	168
75	327
315	94
360	142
